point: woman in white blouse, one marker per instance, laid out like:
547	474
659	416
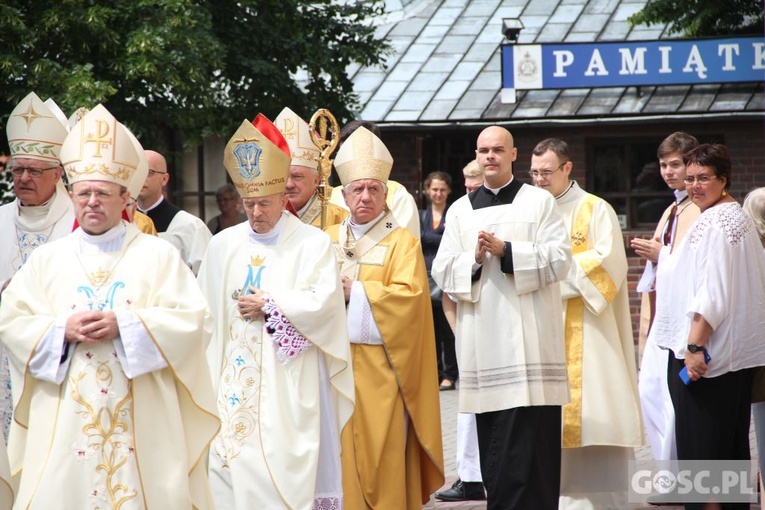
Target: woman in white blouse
710	301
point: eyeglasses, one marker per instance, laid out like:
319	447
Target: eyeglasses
18	171
701	179
155	172
545	174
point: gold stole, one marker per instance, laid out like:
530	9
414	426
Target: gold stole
313	211
572	412
352	252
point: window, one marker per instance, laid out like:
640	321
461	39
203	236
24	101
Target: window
625	172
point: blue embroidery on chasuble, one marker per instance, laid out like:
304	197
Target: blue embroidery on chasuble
94	298
248	158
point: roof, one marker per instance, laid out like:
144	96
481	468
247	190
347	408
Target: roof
446	66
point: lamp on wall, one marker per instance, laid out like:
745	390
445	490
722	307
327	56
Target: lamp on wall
511	29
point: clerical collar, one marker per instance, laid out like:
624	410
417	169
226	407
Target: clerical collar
161	198
271	237
570	185
680	195
360	230
109	241
497	190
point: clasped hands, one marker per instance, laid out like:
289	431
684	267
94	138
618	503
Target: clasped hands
91	326
250	306
488	243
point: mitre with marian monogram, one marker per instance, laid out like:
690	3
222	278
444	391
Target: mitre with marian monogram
298	135
257	158
36	130
100	149
363	156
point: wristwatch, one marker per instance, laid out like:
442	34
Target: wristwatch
693	348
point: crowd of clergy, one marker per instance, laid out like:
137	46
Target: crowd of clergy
289	360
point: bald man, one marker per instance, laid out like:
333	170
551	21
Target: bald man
503	253
183	230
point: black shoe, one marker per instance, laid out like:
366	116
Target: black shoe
463	491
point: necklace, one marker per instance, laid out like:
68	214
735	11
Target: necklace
95	298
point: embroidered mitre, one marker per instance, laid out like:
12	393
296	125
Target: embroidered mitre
298	135
257	158
363	156
100	149
141	170
36	130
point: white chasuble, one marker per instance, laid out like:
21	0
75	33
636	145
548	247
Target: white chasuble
282	406
100	439
509	335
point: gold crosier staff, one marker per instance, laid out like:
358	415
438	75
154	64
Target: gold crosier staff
326	142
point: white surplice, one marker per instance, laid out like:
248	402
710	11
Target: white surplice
509	335
279	445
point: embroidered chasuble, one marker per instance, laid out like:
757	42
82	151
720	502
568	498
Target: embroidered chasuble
101	439
509	336
392	449
312	213
284	384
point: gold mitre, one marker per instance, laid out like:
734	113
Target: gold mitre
142	168
257	159
298	135
35	131
99	149
363	156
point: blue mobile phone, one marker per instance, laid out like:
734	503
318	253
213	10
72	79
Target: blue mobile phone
684	371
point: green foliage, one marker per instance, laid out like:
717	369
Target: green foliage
186	67
699	18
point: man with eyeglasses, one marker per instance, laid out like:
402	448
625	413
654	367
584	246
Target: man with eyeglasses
106	330
503	253
181	229
658	413
601	424
41	211
392	451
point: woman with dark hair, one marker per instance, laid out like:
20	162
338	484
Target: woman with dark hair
438	187
709	302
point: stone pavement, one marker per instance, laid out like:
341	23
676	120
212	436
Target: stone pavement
449	431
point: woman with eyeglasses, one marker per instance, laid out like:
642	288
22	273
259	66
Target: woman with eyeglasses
709	314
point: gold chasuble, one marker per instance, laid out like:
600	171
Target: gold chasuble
600	352
101	439
392	450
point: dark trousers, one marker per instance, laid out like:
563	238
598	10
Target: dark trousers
445	350
520	457
712	418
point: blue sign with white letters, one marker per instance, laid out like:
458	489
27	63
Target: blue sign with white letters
623	64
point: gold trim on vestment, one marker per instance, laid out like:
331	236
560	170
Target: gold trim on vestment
572	412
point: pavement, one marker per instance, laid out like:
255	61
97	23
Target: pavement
449	431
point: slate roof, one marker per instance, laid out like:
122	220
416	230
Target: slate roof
446	66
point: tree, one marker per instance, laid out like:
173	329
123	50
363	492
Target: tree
699	18
186	69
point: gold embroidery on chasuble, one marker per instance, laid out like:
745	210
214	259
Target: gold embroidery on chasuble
313	211
240	385
574	328
101	396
